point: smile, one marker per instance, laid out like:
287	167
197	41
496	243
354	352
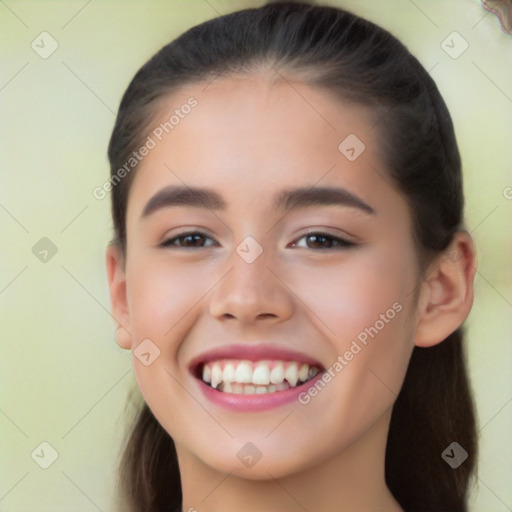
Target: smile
256	377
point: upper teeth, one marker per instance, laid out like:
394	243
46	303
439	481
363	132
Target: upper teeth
258	373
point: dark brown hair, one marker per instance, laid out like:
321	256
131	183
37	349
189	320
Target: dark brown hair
362	63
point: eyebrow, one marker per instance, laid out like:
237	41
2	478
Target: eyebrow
290	199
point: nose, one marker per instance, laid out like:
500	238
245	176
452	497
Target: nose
251	292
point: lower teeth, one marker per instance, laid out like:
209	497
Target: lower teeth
249	389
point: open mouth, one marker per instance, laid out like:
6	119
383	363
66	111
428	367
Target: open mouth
245	377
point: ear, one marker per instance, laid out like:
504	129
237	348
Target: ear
117	285
446	294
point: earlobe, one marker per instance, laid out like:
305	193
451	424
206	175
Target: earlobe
117	286
123	338
446	294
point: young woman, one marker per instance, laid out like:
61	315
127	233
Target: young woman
291	272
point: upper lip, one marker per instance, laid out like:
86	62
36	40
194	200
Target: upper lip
254	352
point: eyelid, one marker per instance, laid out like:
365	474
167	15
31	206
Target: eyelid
344	242
166	242
335	233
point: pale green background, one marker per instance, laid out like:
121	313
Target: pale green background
64	380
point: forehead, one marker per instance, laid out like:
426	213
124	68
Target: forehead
256	116
248	135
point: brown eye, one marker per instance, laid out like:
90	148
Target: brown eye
324	241
194	239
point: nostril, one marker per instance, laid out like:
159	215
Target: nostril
265	315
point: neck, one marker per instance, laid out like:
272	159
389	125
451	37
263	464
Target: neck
351	480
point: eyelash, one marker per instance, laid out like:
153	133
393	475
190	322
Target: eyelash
342	243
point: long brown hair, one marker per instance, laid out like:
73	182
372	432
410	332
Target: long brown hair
362	63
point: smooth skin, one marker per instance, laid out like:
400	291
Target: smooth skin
248	138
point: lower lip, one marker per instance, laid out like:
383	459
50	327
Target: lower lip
256	402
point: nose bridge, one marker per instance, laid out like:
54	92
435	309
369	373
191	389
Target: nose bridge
250	289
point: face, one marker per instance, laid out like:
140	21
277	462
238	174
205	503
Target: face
278	310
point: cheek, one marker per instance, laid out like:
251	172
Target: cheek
161	295
350	296
162	300
364	308
370	355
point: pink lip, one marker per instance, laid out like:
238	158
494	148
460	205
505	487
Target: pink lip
252	353
256	402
